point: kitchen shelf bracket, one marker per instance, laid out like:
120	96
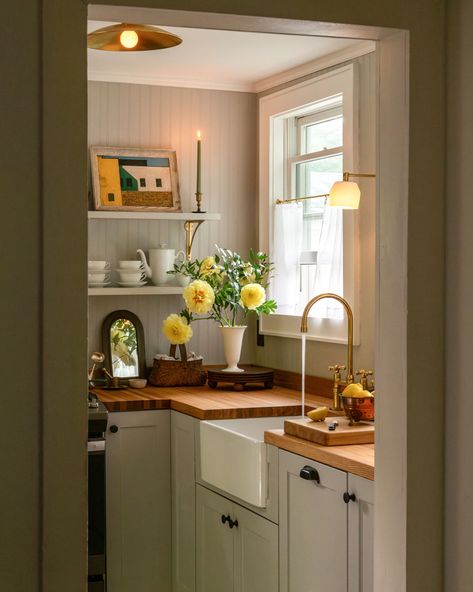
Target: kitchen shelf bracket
190	227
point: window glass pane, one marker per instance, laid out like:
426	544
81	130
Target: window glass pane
324	135
312	230
316	177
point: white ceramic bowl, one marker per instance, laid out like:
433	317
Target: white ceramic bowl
97	265
132	264
137	382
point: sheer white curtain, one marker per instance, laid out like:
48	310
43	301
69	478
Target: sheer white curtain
329	271
287	246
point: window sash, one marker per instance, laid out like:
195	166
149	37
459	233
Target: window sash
274	111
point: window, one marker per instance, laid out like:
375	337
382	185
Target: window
159	182
142	182
306	140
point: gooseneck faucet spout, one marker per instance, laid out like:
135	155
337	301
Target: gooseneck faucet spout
349	312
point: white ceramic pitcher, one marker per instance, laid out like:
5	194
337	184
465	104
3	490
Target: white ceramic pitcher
160	262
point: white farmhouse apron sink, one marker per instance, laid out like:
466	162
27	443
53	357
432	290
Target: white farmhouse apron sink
233	456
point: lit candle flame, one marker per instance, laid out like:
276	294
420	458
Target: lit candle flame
198	135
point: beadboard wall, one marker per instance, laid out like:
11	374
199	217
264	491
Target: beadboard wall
285	353
139	116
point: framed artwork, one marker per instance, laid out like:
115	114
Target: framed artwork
130	179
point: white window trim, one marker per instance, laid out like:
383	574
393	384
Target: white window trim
273	179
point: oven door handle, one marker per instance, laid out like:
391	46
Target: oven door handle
95	446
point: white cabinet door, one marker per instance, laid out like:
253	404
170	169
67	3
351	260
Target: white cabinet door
138	502
214	543
360	534
183	501
312	527
256	552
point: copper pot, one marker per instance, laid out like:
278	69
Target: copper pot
358	408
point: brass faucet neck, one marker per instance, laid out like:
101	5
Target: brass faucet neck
349	313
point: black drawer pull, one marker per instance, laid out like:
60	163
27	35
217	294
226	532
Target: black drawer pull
310	474
114	429
349	497
231	523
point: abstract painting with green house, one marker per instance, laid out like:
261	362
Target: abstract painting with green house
133	179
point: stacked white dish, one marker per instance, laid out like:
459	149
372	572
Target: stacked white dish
131	274
99	274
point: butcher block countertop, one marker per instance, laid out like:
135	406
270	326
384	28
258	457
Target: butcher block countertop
203	402
357	459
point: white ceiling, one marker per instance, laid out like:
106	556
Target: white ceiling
229	60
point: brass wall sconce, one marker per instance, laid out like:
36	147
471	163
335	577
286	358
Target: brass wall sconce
346	194
343	194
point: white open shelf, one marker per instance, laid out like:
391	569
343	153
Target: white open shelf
109	215
142	291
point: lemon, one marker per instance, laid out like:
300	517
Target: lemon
353	390
318	414
360	394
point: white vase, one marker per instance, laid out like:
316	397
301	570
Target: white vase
232	342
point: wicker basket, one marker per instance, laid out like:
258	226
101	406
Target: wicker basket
177	372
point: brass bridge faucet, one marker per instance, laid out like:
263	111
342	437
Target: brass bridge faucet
304	320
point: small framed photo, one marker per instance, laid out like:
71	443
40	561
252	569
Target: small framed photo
131	179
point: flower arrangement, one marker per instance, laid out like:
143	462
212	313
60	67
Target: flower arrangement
225	287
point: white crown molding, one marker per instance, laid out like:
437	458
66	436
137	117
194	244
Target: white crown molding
130	78
332	59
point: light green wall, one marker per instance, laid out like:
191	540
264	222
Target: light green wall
44	362
20	257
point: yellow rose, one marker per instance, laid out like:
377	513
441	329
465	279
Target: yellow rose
207	267
252	296
176	329
199	297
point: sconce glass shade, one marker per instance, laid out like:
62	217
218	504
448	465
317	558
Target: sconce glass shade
128	37
344	195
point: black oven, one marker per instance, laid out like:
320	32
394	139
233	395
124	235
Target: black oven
97	555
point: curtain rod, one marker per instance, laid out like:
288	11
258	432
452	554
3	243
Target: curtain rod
284	201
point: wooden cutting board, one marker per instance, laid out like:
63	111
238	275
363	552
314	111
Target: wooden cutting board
318	432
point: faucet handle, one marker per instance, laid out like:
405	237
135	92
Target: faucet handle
336	368
364	377
364	373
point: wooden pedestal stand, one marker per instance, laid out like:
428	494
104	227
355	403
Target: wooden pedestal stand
252	375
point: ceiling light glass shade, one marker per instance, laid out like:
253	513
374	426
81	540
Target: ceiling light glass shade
128	37
344	195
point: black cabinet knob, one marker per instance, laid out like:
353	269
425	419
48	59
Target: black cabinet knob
114	429
349	497
310	474
231	523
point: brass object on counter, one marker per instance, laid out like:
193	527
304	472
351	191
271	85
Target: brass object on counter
349	312
337	381
364	378
358	409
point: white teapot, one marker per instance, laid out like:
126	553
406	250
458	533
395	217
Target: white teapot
160	262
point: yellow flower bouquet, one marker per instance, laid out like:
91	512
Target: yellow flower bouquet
226	288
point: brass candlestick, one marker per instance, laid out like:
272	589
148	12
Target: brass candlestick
198	199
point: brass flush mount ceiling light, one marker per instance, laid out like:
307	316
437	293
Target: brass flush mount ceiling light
128	37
